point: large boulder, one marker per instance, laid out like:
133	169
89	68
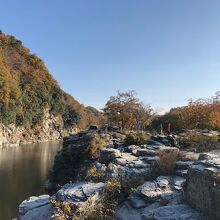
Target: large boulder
78	194
41	213
36	208
203	185
32	203
161	199
109	155
182	167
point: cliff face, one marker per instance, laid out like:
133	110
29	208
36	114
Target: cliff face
32	105
52	128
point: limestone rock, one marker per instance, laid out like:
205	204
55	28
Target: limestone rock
32	203
203	186
108	155
40	213
184	165
180	212
146	152
158	200
78	194
36	208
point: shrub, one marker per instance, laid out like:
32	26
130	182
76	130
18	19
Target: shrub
168	158
95	147
136	138
66	211
199	143
91	210
70	116
111	197
94	175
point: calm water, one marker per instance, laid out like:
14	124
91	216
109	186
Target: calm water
23	171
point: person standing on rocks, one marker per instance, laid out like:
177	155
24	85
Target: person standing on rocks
172	140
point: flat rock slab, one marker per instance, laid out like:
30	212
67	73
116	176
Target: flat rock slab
179	181
182	173
132	149
40	213
176	212
32	203
150	191
146	152
109	155
78	193
183	165
155	211
133	177
163	181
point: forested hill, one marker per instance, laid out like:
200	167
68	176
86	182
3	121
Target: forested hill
27	90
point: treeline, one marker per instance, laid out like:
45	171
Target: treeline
126	111
27	90
199	114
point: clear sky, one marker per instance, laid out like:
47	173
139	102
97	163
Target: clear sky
166	50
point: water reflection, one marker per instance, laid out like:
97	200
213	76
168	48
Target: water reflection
23	171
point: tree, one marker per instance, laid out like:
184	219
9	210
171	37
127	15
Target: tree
198	114
143	115
70	116
126	111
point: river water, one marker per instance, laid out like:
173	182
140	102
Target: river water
23	171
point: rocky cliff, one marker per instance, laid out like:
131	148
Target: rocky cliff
52	128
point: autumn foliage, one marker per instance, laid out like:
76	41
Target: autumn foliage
27	90
127	112
199	114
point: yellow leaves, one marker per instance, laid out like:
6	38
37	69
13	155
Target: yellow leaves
201	114
94	175
67	209
214	116
113	188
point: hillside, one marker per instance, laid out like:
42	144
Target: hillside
28	91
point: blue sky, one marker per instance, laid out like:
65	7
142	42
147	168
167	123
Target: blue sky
168	51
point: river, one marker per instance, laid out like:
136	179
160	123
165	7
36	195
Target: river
23	171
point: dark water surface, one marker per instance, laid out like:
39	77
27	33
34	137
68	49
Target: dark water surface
23	171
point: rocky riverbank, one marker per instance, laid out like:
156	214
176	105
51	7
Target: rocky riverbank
52	128
97	177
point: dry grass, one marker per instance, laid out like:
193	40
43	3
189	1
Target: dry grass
91	210
185	156
94	175
96	144
168	158
198	142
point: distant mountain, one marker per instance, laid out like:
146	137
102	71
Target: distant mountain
94	111
28	90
